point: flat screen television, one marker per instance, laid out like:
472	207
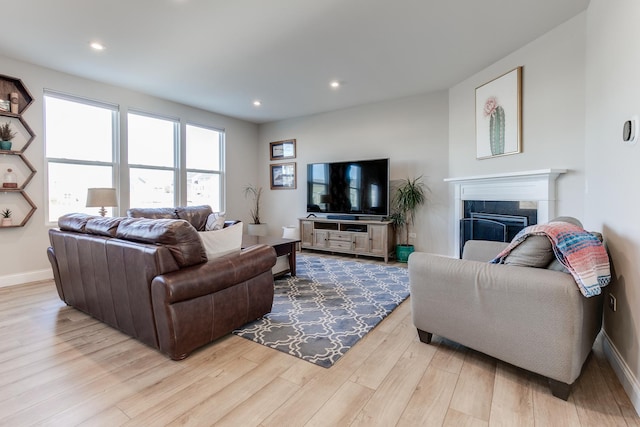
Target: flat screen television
351	188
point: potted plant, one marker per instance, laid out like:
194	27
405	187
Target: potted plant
6	135
256	228
6	217
407	198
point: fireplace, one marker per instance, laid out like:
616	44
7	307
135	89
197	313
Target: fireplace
502	204
497	221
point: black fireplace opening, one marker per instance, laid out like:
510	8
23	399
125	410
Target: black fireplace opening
497	221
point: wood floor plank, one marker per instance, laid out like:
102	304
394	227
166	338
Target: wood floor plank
253	411
430	401
595	408
59	366
130	365
512	403
459	419
110	417
474	390
450	355
400	383
549	410
378	365
342	407
622	400
234	394
182	402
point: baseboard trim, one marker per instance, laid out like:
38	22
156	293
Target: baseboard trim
625	376
19	279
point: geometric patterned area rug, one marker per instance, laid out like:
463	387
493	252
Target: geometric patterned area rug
331	304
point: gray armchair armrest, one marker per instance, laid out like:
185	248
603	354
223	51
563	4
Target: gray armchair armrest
482	250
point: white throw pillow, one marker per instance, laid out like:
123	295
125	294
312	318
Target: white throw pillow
217	243
215	221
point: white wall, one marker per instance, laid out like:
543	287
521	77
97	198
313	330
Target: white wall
411	131
612	203
24	249
553	114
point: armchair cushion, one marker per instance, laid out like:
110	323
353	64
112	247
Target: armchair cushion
534	251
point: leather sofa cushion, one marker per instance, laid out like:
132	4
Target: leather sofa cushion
196	215
154	213
103	226
178	236
74	222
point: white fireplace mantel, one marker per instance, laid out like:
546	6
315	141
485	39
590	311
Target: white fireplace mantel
536	185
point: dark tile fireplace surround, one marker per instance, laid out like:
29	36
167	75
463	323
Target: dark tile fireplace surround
495	220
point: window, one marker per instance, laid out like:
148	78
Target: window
83	151
204	153
152	164
80	138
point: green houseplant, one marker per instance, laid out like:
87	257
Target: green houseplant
6	135
256	228
409	195
6	217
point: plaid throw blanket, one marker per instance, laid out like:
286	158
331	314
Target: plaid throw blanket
579	251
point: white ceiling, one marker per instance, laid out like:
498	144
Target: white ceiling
220	55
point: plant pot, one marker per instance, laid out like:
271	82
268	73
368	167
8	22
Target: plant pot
7	222
257	229
5	145
403	252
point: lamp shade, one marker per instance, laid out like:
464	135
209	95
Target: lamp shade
101	197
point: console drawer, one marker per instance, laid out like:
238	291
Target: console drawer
340	244
337	235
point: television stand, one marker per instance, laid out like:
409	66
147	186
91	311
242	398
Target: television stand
358	237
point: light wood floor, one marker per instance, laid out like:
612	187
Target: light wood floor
60	367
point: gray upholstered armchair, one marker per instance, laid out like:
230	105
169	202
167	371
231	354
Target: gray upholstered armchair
533	318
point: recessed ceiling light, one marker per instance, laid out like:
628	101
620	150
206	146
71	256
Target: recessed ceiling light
335	84
257	103
97	46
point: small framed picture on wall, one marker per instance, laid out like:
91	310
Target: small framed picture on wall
280	150
283	176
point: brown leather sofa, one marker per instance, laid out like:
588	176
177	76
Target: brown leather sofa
150	278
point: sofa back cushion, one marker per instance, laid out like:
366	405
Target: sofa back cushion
74	222
177	235
103	226
196	215
153	213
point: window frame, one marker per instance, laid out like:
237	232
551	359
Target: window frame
115	139
184	170
175	168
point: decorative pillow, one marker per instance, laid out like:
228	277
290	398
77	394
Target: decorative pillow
535	251
221	242
215	221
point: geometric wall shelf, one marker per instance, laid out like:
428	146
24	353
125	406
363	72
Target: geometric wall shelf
16	199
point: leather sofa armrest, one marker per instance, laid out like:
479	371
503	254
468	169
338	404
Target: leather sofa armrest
213	276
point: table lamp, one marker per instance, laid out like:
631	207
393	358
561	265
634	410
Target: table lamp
101	197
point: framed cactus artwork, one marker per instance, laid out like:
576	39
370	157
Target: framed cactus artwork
499	116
